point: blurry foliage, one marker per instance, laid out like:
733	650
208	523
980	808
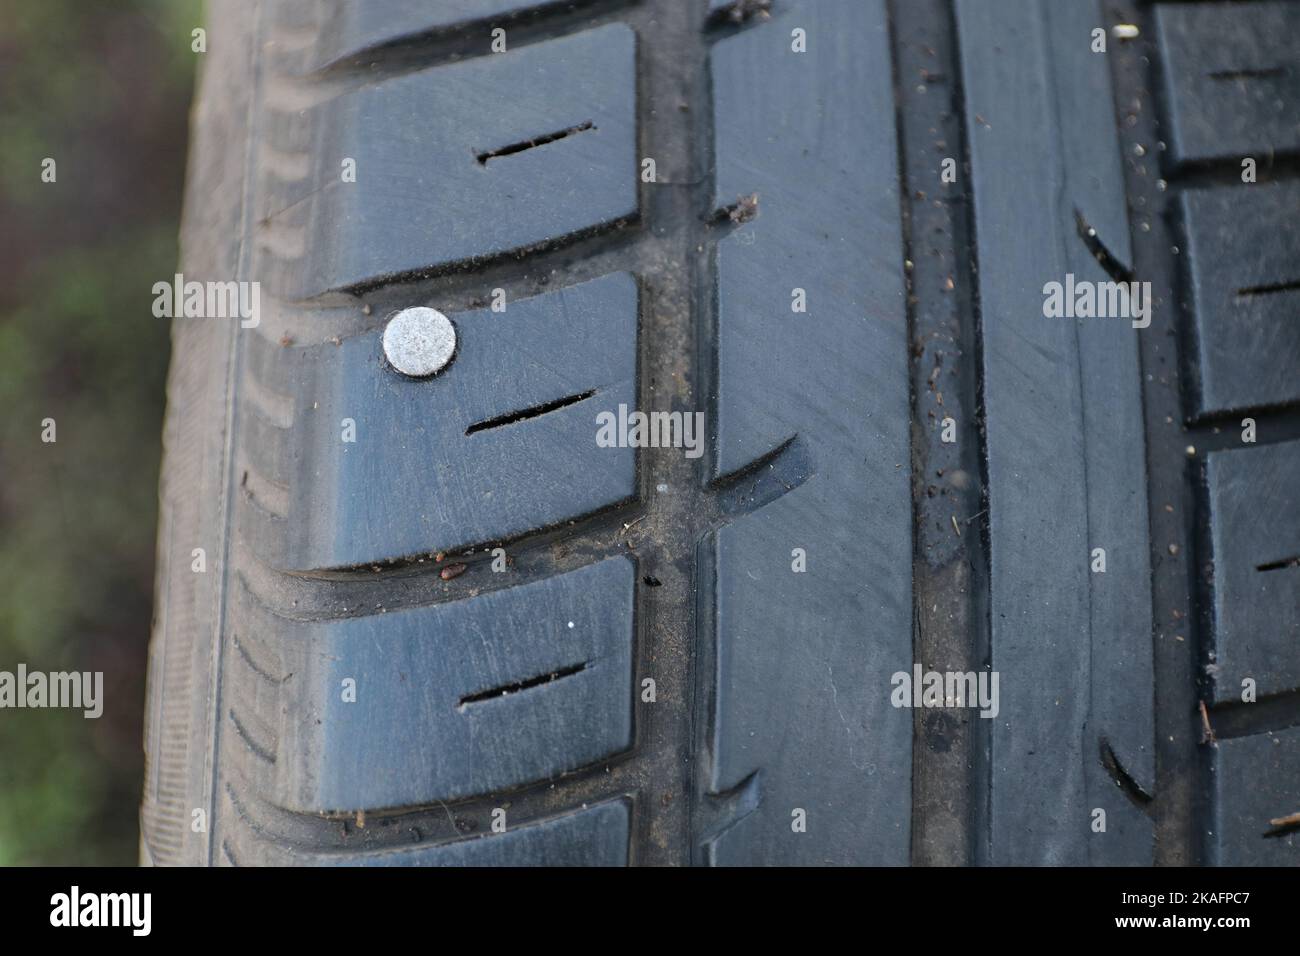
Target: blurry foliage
104	89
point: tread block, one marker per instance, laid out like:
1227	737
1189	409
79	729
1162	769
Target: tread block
777	117
804	659
596	836
1254	524
459	699
424	197
1257	779
353	29
1232	79
1242	266
1065	443
415	482
802	685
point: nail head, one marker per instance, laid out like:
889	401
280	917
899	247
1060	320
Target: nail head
419	342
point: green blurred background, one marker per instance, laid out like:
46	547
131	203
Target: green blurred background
104	89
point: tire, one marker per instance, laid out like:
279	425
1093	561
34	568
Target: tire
432	621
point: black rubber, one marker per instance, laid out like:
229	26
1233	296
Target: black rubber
469	635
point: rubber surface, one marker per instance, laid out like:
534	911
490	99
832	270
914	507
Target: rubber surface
440	624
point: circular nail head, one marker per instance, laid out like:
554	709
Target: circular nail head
419	341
